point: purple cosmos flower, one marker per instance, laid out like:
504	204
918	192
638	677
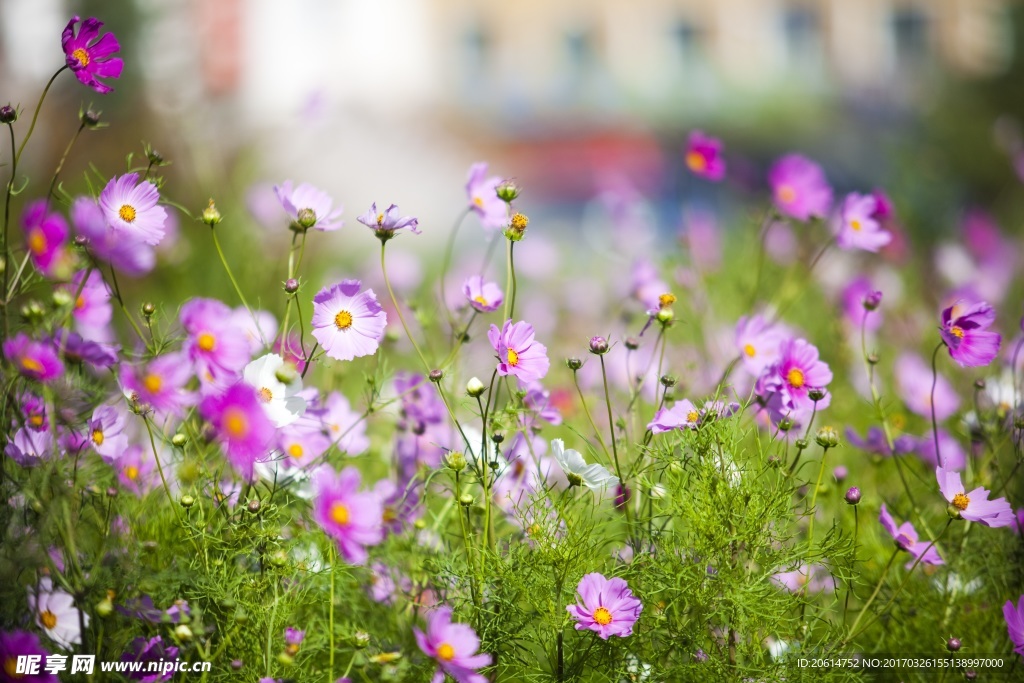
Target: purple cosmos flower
857	227
344	426
797	371
348	323
45	234
142	608
34	410
682	415
905	537
14	644
354	518
1014	616
92	310
854	295
874	442
146	651
214	344
105	431
703	156
975	505
952	453
78	350
385	583
301	444
245	430
757	342
387	223
29	446
293	638
538	402
56	613
90	58
131	256
453	646
135	471
484	297
483	197
131	209
800	188
813	578
160	383
308	207
607	606
914	379
34	359
518	353
965	331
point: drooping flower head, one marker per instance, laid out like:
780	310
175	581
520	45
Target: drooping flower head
484	201
703	156
131	209
45	234
56	614
386	223
857	227
132	256
1014	616
91	58
14	644
578	472
519	354
974	506
484	297
281	402
347	322
160	383
800	188
606	607
308	207
354	518
905	537
965	331
244	429
36	360
453	646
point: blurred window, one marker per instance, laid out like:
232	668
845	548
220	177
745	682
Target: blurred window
910	38
802	35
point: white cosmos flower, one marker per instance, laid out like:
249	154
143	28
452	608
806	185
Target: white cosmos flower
578	471
56	614
279	400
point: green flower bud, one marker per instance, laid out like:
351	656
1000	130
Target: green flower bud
474	387
211	216
455	461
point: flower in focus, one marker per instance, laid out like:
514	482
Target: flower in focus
308	207
238	419
607	606
34	359
45	234
483	197
354	518
348	323
681	415
131	208
905	536
484	297
14	644
280	401
703	156
800	188
577	470
90	58
132	256
159	384
798	370
56	614
519	354
965	331
386	223
1014	616
974	506
857	227
453	646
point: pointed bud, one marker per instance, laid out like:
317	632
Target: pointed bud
598	346
211	216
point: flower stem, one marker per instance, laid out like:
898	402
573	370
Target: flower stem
935	423
35	115
447	262
227	268
615	450
398	309
330	617
814	500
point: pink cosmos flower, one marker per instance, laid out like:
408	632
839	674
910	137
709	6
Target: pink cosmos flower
703	156
953	456
386	223
1014	616
131	209
965	331
975	505
131	256
453	646
484	297
14	644
45	234
857	227
758	341
308	207
243	428
348	323
344	427
213	344
33	359
905	536
106	431
518	353
853	297
135	471
607	606
89	58
354	518
797	371
483	197
682	415
92	310
56	613
29	446
160	383
800	188
914	380
301	444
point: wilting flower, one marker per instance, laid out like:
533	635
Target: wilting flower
578	471
800	188
798	370
159	384
703	156
348	323
482	296
34	359
519	354
354	518
607	606
56	613
1014	616
308	207
90	58
45	234
453	646
131	208
965	331
387	222
905	536
975	505
14	644
682	415
758	341
857	227
146	651
132	256
483	197
280	401
238	419
914	379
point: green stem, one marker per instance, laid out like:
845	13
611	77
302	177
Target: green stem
586	411
7	222
615	450
398	309
224	262
935	423
60	165
447	262
512	275
35	116
814	500
330	616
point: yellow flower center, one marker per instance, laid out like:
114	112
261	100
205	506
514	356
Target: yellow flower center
206	341
153	383
97	437
79	303
82	56
519	221
478	201
127	213
236	424
749	350
696	162
11	668
855	225
795	377
265	395
960	502
446	652
513	358
957	332
31	364
602	616
666	300
295	450
132	472
533	529
48	618
787	195
390	514
480	300
343	320
36	420
339	513
692	416
37	241
380	219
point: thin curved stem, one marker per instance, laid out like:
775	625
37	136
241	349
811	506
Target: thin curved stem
398	309
35	115
227	268
935	423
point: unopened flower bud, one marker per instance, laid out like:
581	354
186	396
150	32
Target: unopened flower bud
497	437
872	300
827	437
800	444
61	298
598	346
474	387
286	374
183	632
574	364
211	216
253	506
465	500
187	501
507	191
291	285
970	675
154	157
105	607
179	440
785	424
953	644
632	343
852	495
306	218
665	316
455	461
90	118
668	381
8	114
816	394
517	227
873	358
285	659
979	383
436	376
236	664
774	461
361	639
148	309
112	492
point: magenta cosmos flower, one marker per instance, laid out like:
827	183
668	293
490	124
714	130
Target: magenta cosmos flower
131	208
607	606
965	331
453	646
703	156
518	353
45	234
34	359
386	223
14	644
798	370
91	58
160	383
348	323
800	188
1015	623
308	207
857	226
484	297
975	505
905	536
131	256
484	201
239	421
354	518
